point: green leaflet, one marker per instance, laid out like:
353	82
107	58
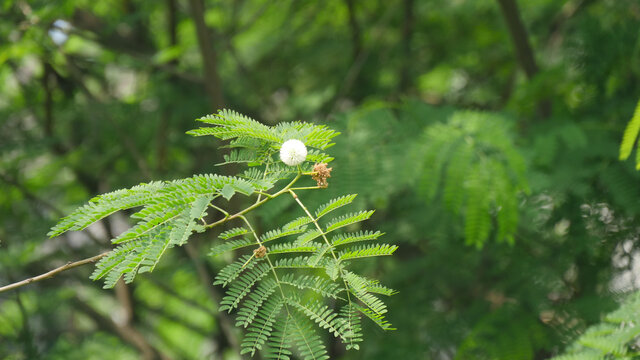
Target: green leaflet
231	245
347	238
233	233
348	219
318	284
254	302
261	327
333	205
368	251
104	205
630	136
323	316
239	289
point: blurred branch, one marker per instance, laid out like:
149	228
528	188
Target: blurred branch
568	11
235	30
54	272
57	147
172	23
162	133
207	279
407	34
126	300
118	42
212	80
519	36
121	41
76	74
356	37
30	195
35	199
29	348
126	333
159	311
356	67
169	291
48	73
524	51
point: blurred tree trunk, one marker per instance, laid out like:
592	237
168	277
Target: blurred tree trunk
519	36
356	37
205	37
162	135
407	34
522	46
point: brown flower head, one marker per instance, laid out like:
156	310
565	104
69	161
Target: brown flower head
322	172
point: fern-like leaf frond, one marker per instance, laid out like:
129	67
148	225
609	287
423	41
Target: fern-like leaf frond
241	287
104	205
348	238
323	316
347	220
262	326
317	284
368	251
333	205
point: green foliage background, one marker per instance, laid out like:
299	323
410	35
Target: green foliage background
500	182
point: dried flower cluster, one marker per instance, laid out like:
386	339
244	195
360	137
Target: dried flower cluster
260	252
322	172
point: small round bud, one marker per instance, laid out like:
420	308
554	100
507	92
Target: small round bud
293	152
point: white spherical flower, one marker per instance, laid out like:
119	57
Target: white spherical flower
293	152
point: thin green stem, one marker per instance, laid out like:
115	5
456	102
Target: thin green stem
315	222
266	169
263	193
273	269
256	205
324	236
219	209
306	188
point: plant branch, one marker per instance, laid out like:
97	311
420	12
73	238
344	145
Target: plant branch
256	205
54	272
207	279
